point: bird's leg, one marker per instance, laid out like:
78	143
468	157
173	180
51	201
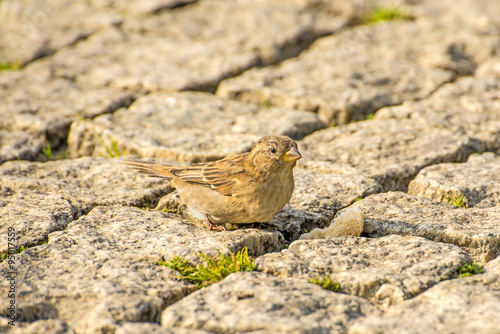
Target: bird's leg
210	226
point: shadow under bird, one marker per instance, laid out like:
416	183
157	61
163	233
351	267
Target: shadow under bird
242	189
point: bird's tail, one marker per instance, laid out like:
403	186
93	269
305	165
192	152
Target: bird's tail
149	168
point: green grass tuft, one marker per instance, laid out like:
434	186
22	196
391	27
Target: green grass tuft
469	269
213	270
326	283
357	199
10	65
380	14
47	151
112	151
457	201
169	210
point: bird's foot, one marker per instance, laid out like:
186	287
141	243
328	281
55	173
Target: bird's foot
210	226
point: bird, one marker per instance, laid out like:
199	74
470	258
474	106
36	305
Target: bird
242	189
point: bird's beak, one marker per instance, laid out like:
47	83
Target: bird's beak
292	155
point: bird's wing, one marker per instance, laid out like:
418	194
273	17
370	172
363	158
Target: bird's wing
220	175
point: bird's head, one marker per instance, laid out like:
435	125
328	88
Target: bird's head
273	152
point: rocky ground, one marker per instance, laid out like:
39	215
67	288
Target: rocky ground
399	118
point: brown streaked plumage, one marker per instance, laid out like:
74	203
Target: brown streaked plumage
245	188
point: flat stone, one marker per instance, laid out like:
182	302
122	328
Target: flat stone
187	126
327	78
38	108
185	49
19	145
406	215
33	29
390	151
475	181
102	269
478	15
29	219
39	198
48	326
492	266
472	15
463	305
468	107
154	328
248	302
384	270
141	6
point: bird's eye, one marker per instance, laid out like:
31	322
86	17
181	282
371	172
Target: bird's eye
272	150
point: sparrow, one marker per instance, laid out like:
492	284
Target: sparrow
242	189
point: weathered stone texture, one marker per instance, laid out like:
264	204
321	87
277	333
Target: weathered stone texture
247	302
384	270
185	49
475	183
469	108
467	305
391	152
37	110
327	79
475	230
102	269
38	198
188	127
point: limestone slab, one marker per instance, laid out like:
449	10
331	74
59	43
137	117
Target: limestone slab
466	305
38	198
349	75
185	49
37	110
154	328
19	145
27	220
385	270
391	151
475	230
102	269
187	126
141	6
33	29
475	181
49	326
342	77
469	107
247	302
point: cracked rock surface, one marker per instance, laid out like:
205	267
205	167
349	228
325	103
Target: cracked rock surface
397	120
383	270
